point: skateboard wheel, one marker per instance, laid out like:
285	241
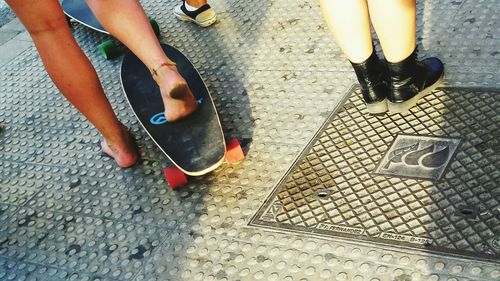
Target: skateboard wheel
108	49
155	26
234	153
175	177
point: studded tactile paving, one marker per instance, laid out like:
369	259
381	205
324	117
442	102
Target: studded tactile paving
68	213
333	189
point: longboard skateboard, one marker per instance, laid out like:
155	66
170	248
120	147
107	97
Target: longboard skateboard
79	11
195	144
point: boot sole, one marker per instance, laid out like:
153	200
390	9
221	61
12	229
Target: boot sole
205	23
406	105
377	108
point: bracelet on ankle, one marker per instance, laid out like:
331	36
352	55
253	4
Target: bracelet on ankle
155	71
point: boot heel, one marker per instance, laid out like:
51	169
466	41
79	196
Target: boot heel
410	80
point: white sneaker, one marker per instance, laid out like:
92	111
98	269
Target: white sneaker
204	16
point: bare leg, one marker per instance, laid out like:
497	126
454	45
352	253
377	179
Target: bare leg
126	20
349	22
73	74
395	24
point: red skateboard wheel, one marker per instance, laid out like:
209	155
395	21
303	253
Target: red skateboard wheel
234	153
175	177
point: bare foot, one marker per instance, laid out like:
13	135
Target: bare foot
123	150
178	99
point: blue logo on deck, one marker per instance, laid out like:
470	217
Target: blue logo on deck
159	118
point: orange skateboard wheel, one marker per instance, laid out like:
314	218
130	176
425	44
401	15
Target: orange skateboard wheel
234	153
175	177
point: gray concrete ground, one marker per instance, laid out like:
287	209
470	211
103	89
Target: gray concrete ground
67	213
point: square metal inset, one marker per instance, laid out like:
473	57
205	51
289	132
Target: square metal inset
415	156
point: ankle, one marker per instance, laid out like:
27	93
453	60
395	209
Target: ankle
194	3
117	137
164	71
160	67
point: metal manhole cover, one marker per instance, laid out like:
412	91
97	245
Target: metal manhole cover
427	179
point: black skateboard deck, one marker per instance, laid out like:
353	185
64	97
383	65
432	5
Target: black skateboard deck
195	144
79	11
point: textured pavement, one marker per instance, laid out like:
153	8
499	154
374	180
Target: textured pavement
276	76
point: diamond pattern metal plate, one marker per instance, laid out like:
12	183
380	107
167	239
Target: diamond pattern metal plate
335	189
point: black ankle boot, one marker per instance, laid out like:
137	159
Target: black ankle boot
411	79
373	77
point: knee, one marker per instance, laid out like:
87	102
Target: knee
50	25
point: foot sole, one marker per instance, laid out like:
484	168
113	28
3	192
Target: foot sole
406	105
205	23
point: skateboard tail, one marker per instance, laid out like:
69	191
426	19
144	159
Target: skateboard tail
204	171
